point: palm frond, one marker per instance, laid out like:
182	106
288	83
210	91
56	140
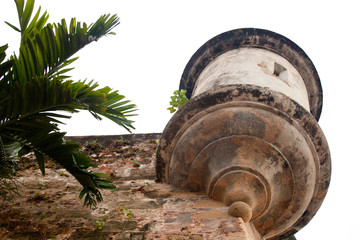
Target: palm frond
5	67
30	132
33	123
34	88
8	165
46	49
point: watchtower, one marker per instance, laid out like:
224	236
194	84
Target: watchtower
249	135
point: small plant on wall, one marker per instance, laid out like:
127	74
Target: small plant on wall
178	99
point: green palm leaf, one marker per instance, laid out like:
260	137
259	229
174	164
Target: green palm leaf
34	88
46	48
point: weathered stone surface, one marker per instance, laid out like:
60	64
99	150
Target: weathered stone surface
255	38
107	139
158	211
129	236
254	66
241	210
249	136
90	236
184	237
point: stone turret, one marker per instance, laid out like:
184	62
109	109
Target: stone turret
249	135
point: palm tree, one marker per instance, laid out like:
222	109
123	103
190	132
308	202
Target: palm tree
36	93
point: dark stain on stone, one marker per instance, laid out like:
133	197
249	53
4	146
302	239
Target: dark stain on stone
326	184
319	142
236	43
256	93
145	227
155	194
159	168
89	235
262	41
249	122
161	202
299	113
184	237
136	236
115	225
27	235
140	205
289	235
311	128
266	99
178	199
305	218
285	165
324	159
170	220
305	214
218	50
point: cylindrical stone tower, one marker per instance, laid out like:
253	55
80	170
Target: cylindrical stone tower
249	135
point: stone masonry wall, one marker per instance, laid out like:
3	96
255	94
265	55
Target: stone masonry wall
139	208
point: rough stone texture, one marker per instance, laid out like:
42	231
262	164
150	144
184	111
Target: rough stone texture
278	132
256	38
109	139
257	67
248	137
49	207
241	210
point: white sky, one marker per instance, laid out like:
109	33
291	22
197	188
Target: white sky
155	40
